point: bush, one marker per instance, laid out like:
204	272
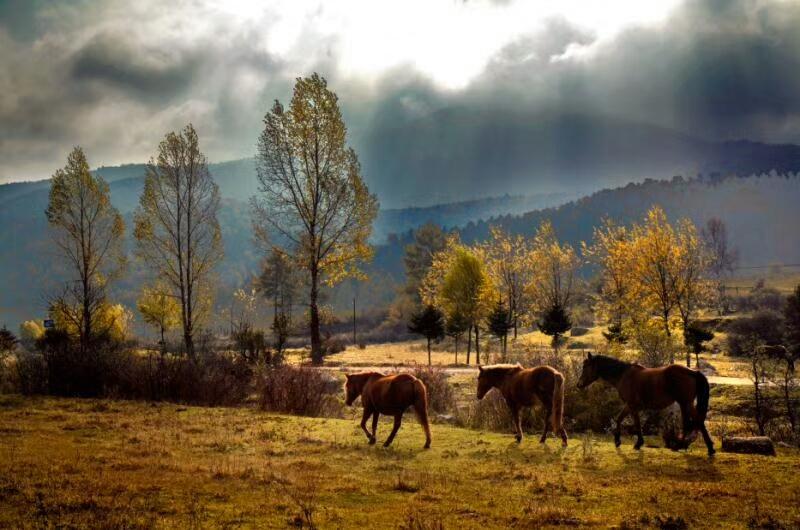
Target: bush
333	345
745	334
299	390
440	394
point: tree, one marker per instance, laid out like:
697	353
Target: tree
458	283
278	282
509	264
428	322
159	309
655	267
695	337
87	232
692	288
111	321
455	327
177	233
8	342
312	200
428	240
791	318
500	323
555	322
553	283
610	251
29	332
722	257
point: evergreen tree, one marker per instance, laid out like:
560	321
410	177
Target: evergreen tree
555	322
500	323
455	328
428	322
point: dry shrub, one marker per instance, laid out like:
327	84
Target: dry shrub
440	394
299	390
491	414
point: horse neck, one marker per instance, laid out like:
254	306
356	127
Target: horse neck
613	374
363	379
504	378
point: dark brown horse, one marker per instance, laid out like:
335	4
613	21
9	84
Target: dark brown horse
520	387
653	389
391	395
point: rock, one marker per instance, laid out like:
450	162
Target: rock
750	445
445	418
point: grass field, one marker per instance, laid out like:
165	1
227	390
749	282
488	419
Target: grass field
76	463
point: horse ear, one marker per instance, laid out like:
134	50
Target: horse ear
590	356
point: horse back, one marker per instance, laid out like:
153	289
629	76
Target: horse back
656	388
392	394
532	382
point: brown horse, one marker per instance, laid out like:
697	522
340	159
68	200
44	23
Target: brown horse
519	386
391	395
653	389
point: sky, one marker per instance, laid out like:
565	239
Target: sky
115	76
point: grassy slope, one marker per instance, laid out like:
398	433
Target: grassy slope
109	463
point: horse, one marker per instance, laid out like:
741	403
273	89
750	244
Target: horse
391	395
519	386
653	389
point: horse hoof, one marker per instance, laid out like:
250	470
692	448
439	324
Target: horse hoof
617	442
427	446
518	439
711	451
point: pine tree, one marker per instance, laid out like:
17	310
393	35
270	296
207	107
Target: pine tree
428	322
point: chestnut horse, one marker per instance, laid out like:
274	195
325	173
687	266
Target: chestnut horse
519	386
653	389
391	395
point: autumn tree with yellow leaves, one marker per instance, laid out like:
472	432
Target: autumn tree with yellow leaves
312	200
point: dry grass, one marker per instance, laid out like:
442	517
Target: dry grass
74	463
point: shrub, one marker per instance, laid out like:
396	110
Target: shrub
745	334
298	390
440	394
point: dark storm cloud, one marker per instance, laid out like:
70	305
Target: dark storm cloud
96	75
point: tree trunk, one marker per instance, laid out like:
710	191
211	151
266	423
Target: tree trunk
316	341
477	346
469	343
455	340
429	351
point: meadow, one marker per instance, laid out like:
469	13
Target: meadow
68	463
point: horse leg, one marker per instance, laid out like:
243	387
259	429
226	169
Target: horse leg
548	411
364	418
638	426
701	426
688	416
422	416
374	428
397	419
517	423
618	428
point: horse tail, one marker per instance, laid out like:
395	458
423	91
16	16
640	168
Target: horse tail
558	401
420	397
703	393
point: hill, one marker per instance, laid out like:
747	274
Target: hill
193	467
461	153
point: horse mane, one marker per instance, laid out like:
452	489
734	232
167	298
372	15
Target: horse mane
610	366
495	371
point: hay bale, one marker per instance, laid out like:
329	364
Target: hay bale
749	445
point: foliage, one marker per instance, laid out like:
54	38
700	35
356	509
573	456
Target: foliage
555	322
29	332
159	309
615	333
428	322
429	239
695	337
251	344
8	342
298	390
178	236
111	321
279	281
554	264
87	232
509	263
746	334
791	318
500	322
312	199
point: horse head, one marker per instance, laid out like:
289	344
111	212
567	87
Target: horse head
589	373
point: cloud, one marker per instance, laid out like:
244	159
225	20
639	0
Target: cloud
115	77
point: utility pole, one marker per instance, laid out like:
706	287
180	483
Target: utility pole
354	321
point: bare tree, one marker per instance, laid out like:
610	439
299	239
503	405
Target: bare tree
177	233
87	231
722	258
312	199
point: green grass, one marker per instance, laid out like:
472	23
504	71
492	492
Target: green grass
78	463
